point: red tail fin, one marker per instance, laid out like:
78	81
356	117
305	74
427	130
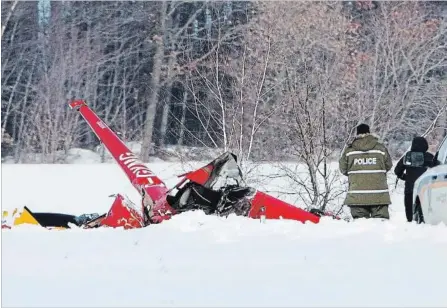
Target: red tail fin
139	175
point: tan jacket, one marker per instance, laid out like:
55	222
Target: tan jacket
366	162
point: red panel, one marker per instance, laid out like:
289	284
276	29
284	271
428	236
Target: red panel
162	211
273	208
123	215
199	176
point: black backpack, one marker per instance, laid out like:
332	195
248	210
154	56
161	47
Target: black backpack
414	159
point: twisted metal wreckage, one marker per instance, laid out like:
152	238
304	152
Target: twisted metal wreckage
217	189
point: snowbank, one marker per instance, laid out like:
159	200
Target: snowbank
200	261
204	261
101	155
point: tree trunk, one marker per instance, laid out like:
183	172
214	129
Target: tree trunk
166	101
182	119
164	123
154	86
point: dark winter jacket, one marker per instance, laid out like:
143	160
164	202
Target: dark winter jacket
410	174
366	161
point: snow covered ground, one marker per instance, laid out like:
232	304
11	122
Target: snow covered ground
201	261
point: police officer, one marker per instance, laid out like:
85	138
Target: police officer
409	168
366	162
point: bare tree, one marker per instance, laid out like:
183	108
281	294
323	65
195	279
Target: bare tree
230	96
306	82
177	54
243	77
10	10
18	69
397	69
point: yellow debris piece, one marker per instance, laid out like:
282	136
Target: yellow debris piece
25	218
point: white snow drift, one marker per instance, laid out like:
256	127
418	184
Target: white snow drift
197	260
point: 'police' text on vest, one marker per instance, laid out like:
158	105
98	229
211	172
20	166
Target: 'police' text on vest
365	161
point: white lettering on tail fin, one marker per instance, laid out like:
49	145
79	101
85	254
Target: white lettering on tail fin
135	165
101	124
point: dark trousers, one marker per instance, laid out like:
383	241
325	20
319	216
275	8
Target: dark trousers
370	211
408	201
